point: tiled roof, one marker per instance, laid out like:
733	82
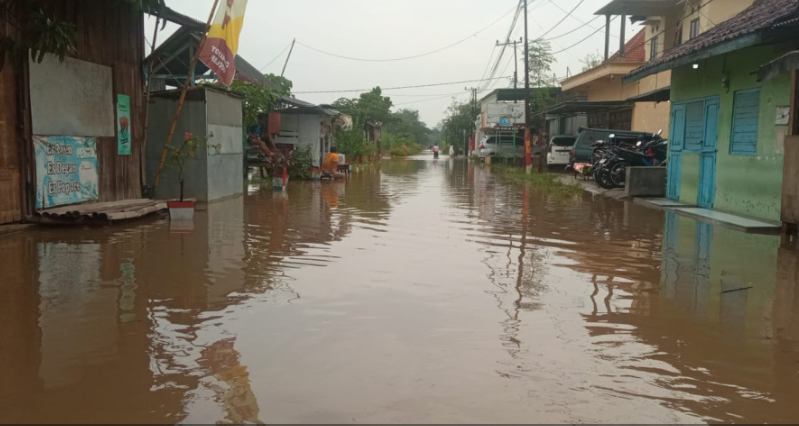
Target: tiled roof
762	14
634	50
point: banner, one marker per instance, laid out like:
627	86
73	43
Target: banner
66	170
123	125
222	44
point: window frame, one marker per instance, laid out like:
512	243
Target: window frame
653	47
695	29
753	151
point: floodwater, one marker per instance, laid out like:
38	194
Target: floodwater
425	292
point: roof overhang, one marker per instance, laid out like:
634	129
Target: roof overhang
638	7
660	95
785	63
743	42
607	69
171	15
576	107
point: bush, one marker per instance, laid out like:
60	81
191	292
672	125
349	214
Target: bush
301	163
352	144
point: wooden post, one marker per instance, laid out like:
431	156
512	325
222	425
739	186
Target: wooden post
182	98
147	107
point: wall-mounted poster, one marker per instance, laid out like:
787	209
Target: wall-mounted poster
66	170
123	124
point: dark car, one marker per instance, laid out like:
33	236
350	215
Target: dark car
583	149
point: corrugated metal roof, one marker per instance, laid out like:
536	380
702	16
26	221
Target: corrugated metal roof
760	16
173	54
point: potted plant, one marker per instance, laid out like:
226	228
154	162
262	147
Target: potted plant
277	167
179	155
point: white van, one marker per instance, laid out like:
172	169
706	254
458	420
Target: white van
559	150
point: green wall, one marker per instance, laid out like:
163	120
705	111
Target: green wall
748	185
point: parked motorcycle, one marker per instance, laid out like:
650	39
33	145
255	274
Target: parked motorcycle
612	172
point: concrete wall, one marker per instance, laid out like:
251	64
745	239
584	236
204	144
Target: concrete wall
192	119
749	185
226	165
711	14
651	117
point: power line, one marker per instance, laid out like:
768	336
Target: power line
578	20
589	36
561	21
396	88
498	61
407	57
430	99
575	30
276	58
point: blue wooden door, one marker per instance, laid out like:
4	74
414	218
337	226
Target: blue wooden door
707	168
675	151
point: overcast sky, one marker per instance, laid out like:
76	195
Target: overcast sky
386	29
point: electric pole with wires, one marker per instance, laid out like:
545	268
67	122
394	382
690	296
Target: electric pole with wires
528	161
515	59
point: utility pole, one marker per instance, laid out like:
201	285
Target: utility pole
288	57
515	59
473	132
528	162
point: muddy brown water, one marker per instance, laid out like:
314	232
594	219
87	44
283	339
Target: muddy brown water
427	292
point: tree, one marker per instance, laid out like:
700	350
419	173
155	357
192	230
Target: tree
370	107
406	123
285	85
541	61
592	60
460	120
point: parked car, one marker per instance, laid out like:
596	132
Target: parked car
506	145
559	150
583	149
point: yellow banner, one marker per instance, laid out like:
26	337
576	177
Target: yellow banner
222	44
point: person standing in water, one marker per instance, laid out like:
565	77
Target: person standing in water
451	151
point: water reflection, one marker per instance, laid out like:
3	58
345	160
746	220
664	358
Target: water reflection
422	291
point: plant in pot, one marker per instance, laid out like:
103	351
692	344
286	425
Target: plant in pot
277	166
179	155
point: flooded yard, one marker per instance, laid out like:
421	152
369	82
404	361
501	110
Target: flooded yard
423	292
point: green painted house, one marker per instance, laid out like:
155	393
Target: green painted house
727	128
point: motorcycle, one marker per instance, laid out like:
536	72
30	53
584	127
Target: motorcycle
612	172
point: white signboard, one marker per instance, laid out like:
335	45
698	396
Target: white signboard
504	115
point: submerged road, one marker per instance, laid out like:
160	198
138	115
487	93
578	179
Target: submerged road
424	292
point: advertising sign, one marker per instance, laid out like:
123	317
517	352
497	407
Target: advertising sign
504	115
66	170
123	124
222	44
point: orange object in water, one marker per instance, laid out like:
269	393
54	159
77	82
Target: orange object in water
274	123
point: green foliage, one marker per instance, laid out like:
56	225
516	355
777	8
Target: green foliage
39	30
541	61
592	60
460	118
401	145
301	163
369	107
285	85
257	99
405	123
188	149
352	144
547	182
